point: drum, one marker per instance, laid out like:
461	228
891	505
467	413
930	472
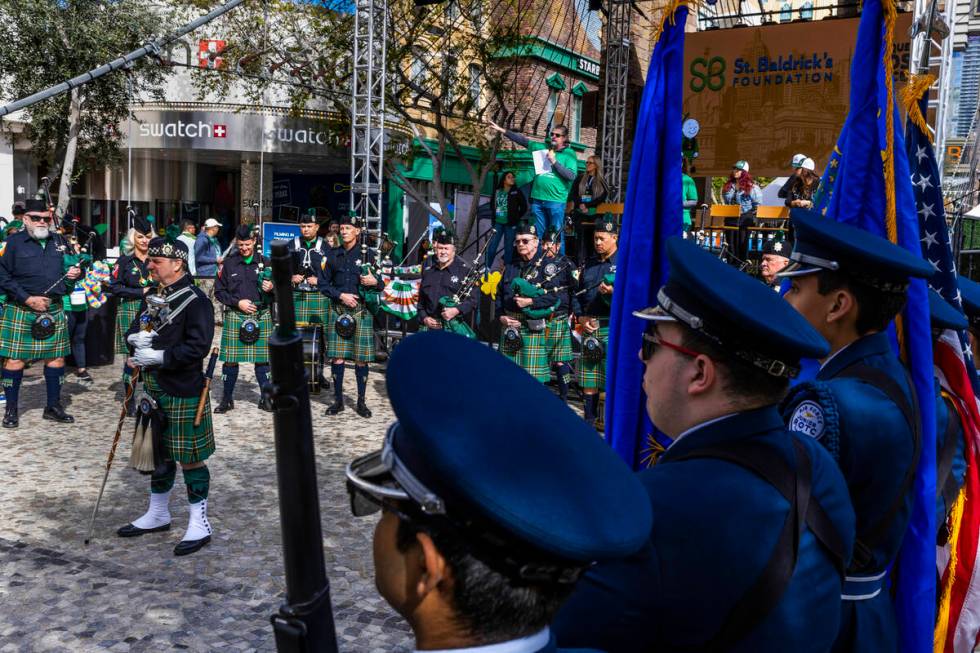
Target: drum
314	355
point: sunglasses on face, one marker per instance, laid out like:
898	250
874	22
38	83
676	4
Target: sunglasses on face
39	218
557	135
523	241
651	341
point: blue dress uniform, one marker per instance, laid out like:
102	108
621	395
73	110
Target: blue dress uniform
311	306
524	485
752	523
446	282
863	409
173	379
350	335
244	336
30	267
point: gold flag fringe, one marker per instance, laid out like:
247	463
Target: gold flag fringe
917	86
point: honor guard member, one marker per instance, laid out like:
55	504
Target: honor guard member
591	304
752	524
309	251
950	443
561	273
526	305
347	282
130	281
172	359
460	551
442	282
849	284
244	286
34	325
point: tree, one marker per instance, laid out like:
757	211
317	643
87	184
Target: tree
50	41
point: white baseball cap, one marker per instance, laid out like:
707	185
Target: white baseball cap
808	164
211	222
798	160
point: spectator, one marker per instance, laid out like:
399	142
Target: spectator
690	193
795	164
805	183
207	255
590	189
549	192
509	207
188	235
740	189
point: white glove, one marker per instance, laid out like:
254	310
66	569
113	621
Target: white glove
141	339
146	357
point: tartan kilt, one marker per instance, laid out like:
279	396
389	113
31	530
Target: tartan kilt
185	443
310	304
126	312
559	340
360	347
16	341
589	375
533	356
233	350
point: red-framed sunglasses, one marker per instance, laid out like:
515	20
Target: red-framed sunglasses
651	342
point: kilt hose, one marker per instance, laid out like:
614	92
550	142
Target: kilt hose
126	312
233	350
16	341
591	375
309	305
185	443
359	348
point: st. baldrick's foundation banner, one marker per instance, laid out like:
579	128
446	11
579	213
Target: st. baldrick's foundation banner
763	94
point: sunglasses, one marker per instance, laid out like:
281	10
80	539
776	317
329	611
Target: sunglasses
557	135
39	218
651	342
523	241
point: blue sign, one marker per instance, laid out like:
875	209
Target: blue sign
277	231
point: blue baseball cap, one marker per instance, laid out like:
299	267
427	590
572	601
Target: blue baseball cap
735	310
824	244
943	315
502	460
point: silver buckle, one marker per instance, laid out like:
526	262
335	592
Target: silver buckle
776	368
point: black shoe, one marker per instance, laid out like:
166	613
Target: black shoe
224	406
135	531
10	418
187	547
362	409
57	414
336	407
265	404
84	379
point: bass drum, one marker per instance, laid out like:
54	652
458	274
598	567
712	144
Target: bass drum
314	355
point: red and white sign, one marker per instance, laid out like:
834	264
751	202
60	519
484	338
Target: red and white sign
208	51
220	131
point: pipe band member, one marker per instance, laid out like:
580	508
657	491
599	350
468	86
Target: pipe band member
172	360
33	325
561	271
309	251
442	281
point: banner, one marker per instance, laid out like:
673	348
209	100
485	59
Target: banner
763	94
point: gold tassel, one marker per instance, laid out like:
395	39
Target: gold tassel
142	456
652	451
668	17
917	86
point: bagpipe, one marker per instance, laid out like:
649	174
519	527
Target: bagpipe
251	329
149	454
457	325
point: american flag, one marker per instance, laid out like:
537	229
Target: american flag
958	622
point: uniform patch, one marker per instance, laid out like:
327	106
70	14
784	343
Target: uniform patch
551	269
454	279
808	419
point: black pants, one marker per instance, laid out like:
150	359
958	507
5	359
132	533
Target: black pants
740	238
77	326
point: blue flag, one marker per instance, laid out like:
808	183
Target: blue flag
651	215
854	190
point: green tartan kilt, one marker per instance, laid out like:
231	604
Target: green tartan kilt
126	312
309	305
359	347
533	356
16	341
592	375
233	350
185	443
559	340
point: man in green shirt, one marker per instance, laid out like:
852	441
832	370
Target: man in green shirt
553	177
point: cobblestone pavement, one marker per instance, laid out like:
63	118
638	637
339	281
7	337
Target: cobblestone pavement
134	595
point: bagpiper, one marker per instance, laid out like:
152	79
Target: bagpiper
130	281
171	358
309	251
350	284
245	287
561	273
33	325
591	304
444	302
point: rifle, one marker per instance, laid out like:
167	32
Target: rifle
305	621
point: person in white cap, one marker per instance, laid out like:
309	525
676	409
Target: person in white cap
804	185
795	164
207	257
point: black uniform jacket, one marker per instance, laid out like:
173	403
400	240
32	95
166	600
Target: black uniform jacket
438	282
27	269
238	280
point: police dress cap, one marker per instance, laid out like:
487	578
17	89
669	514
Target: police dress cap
824	244
776	247
552	235
350	219
164	247
943	315
524	479
444	236
18	209
970	294
309	218
34	205
245	232
527	229
142	225
742	315
607	226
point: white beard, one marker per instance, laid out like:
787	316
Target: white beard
443	258
40	233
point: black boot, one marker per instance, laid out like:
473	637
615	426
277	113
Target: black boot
10	418
336	407
362	408
224	406
265	404
56	413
